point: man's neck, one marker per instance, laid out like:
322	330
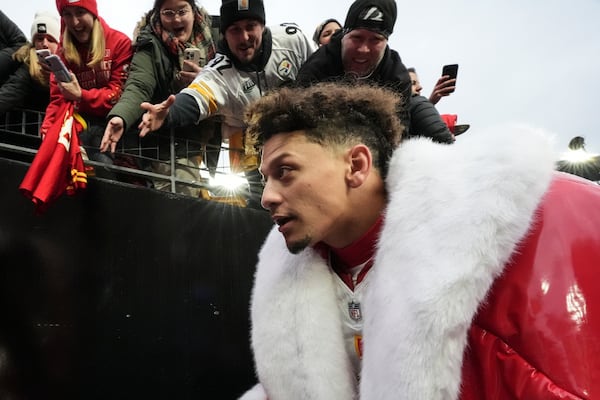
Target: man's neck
360	250
356	253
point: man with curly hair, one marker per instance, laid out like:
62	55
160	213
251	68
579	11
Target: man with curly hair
415	270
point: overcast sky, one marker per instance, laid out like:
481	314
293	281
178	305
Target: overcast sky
535	62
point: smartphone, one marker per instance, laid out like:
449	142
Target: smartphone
194	55
451	70
58	68
43	53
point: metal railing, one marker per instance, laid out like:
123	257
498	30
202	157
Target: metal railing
162	162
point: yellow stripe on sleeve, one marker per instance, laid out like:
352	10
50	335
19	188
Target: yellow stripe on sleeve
207	93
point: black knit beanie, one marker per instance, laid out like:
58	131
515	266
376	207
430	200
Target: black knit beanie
375	15
235	10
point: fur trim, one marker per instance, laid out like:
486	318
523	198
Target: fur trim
256	393
296	323
455	215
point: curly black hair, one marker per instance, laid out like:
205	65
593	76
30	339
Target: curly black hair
329	114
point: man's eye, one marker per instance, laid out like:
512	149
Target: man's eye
284	171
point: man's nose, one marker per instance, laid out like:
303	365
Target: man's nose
269	196
363	47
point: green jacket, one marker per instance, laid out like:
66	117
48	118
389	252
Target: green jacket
152	76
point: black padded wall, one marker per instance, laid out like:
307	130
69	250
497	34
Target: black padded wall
124	293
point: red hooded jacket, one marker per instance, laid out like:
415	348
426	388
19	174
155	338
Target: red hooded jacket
101	87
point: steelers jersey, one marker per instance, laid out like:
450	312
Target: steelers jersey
222	89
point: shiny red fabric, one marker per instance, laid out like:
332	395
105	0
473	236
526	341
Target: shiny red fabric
538	334
450	121
57	166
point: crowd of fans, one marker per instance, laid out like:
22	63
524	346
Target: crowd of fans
122	89
459	256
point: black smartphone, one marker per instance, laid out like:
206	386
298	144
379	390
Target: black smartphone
451	70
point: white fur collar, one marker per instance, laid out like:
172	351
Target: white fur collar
454	218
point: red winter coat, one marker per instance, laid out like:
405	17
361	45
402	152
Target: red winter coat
484	286
538	335
101	87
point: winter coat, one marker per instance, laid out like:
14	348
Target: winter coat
483	286
11	38
22	90
426	121
326	65
152	75
225	88
102	86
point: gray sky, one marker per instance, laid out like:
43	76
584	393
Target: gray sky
533	62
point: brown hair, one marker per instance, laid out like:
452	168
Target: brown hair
330	114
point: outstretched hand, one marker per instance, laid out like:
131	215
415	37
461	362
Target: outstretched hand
112	134
444	87
155	115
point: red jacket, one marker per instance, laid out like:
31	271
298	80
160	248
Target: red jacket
483	285
101	87
537	336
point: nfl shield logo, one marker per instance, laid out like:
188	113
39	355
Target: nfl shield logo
354	311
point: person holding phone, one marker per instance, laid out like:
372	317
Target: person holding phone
426	120
252	60
98	58
360	52
29	85
169	33
445	85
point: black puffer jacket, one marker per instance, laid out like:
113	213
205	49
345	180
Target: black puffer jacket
21	90
426	121
326	65
11	38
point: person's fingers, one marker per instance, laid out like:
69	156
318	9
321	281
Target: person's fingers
169	102
143	125
104	144
146	106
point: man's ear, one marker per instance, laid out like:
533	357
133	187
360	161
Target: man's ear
361	164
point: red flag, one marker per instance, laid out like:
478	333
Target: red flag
58	166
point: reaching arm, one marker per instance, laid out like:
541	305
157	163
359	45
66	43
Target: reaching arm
155	115
443	87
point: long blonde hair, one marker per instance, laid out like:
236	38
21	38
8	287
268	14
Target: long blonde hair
26	54
97	47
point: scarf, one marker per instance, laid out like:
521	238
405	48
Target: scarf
201	36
